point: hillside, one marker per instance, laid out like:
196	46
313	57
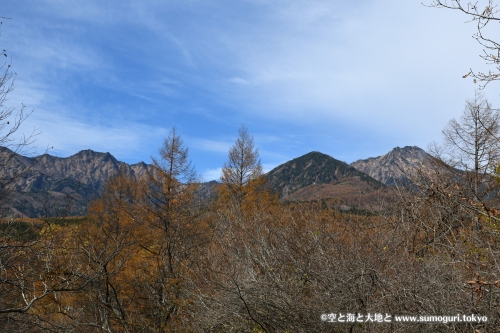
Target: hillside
316	176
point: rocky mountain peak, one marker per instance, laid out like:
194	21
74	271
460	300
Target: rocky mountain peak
88	155
313	168
394	166
51	179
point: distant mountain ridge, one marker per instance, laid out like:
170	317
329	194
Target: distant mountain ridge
50	181
64	186
396	165
87	167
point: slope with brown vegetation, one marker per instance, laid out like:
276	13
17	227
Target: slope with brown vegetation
266	268
317	176
151	257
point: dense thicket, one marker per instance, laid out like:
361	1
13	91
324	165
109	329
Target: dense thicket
152	257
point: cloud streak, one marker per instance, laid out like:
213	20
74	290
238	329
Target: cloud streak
351	79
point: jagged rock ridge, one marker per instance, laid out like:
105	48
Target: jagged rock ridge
64	186
52	185
396	165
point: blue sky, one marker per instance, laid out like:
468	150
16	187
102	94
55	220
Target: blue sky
352	79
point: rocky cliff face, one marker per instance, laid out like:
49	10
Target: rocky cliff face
396	165
51	185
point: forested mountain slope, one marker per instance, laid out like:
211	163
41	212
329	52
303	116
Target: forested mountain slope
317	176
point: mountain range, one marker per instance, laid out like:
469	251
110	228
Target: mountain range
50	185
54	186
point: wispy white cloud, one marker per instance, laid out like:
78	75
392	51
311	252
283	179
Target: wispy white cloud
213	174
111	76
66	136
211	145
238	80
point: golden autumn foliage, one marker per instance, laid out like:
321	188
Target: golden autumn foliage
152	257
